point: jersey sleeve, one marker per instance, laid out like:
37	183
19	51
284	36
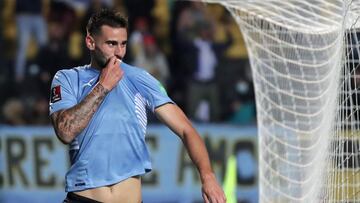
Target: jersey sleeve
152	90
62	94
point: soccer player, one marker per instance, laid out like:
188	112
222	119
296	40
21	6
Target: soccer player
100	111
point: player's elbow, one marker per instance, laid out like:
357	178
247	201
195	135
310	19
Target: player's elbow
63	132
186	133
65	140
64	137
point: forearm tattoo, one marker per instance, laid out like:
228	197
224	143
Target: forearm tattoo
69	123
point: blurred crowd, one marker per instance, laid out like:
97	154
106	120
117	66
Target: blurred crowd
194	49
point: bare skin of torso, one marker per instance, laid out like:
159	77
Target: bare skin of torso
128	191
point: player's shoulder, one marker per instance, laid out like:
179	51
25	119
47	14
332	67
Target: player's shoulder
133	72
71	72
131	69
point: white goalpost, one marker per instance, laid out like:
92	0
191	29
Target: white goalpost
304	56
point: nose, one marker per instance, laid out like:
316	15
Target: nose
120	51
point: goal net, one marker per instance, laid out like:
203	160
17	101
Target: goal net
304	56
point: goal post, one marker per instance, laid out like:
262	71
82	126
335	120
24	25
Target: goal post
304	57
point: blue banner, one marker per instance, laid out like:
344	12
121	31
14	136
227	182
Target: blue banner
33	164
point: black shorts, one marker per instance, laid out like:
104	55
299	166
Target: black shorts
74	198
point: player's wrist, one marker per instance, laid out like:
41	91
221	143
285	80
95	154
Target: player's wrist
103	88
206	176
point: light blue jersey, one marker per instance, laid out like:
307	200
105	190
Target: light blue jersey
112	147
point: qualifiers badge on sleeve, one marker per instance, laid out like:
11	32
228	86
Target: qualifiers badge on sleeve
55	94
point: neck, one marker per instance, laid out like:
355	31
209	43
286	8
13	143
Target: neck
94	65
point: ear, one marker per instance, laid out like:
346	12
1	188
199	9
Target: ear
90	42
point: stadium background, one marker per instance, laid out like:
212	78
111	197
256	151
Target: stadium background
33	162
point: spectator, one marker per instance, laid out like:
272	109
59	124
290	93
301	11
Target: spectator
135	11
40	112
136	42
153	60
195	59
14	112
177	85
203	88
243	106
64	14
52	56
30	20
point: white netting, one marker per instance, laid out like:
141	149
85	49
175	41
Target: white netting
304	58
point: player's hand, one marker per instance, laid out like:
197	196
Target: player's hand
211	190
111	74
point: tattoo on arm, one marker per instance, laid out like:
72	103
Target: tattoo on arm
70	122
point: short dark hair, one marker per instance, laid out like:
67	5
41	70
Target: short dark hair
105	17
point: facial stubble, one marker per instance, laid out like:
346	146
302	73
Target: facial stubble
99	58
